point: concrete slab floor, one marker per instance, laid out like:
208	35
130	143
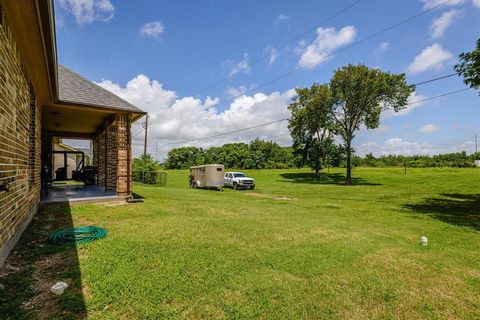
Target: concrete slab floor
78	193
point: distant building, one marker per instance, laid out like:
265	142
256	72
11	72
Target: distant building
72	159
477	163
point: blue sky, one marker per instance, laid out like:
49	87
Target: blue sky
161	55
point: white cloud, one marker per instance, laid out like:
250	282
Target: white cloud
152	29
382	129
382	47
428	4
272	54
400	147
429	128
88	11
326	42
174	118
235	92
432	57
282	17
414	101
441	24
233	68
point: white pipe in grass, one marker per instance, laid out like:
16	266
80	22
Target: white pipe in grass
423	241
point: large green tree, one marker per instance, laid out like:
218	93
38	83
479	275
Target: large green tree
184	158
358	96
311	125
469	67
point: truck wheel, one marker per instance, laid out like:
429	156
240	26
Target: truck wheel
235	186
252	187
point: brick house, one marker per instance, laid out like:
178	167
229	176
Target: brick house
41	100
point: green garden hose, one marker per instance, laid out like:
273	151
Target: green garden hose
77	235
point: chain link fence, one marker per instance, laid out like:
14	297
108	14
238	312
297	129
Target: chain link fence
157	178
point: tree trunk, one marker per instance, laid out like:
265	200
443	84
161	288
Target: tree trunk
348	178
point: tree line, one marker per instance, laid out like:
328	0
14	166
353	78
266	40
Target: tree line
260	154
257	154
454	160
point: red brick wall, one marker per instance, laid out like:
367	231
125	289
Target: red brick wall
124	170
20	135
112	154
101	158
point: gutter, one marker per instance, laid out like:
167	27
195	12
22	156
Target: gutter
45	10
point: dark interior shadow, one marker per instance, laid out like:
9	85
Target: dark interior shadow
454	208
34	266
325	178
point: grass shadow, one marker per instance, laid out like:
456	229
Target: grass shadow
453	208
34	266
137	196
325	178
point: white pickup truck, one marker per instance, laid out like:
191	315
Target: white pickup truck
238	180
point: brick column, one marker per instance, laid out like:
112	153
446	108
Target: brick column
111	157
101	158
123	155
95	154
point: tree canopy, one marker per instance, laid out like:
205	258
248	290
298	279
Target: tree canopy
359	95
266	155
469	67
354	97
311	125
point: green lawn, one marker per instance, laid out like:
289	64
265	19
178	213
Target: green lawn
293	248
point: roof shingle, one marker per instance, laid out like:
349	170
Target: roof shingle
73	88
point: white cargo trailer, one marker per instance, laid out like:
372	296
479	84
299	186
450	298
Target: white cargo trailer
210	176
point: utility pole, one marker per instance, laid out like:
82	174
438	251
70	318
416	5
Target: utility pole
156	152
476	148
146	134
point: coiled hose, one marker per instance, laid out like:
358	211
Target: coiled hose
77	235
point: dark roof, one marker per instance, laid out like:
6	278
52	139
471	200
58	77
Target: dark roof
73	88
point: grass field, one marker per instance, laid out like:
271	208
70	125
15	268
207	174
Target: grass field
293	248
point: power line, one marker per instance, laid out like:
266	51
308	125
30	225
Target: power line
331	54
136	134
146	136
439	96
416	84
284	119
226	133
136	147
284	45
356	43
434	79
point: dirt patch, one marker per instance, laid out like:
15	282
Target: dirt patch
44	301
269	196
35	265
